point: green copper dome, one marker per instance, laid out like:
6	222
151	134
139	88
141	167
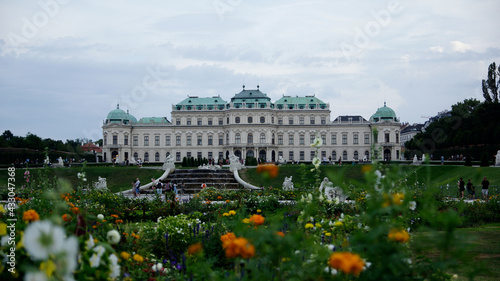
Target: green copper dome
384	114
118	115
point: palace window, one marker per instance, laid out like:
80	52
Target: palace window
157	140
323	139
188	140
199	155
290	139
221	121
280	121
301	120
250	119
367	138
344	155
237	138
221	139
355	155
301	156
115	139
136	141
387	139
323	120
125	140
157	157
210	155
167	140
146	156
290	155
177	121
237	120
312	154
301	139
290	120
146	140
188	121
210	121
177	140
334	139
262	138
344	138
355	139
199	140
199	121
397	138
177	156
313	120
250	138
210	140
334	155
312	137
280	139
136	155
262	119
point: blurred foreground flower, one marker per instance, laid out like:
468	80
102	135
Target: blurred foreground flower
268	170
397	235
346	262
238	247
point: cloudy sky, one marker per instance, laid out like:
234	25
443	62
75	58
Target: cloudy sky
65	64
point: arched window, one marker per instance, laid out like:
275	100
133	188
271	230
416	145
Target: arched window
250	119
355	155
334	155
136	155
157	157
262	119
250	138
237	120
146	156
344	155
262	138
237	138
367	154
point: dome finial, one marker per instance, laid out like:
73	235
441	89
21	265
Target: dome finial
258	86
384	104
243	86
117	106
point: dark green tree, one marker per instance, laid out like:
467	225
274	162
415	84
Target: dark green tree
491	86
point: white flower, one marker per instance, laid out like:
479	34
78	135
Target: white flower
333	271
317	142
99	250
35	276
84	179
337	200
100	217
95	260
42	238
159	218
89	244
113	237
316	162
321	198
413	205
157	267
331	247
114	267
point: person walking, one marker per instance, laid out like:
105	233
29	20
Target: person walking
134	191
470	186
486	184
461	187
137	187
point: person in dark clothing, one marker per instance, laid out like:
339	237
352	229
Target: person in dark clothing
486	184
461	187
470	190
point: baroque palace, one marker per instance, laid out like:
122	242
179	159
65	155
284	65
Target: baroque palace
251	125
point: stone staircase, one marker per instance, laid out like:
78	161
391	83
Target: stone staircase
192	179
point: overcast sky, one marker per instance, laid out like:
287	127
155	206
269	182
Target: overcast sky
65	64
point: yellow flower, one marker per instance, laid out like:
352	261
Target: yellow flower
259	211
225	214
48	267
2	210
328	234
309	225
401	236
125	255
318	225
3	229
246	220
346	262
232	212
138	258
338	223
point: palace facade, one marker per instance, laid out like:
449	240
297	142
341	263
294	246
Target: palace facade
250	124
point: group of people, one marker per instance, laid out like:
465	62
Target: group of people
159	186
471	189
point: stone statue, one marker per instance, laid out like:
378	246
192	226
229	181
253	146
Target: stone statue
59	163
101	184
233	159
234	163
497	159
331	192
169	163
288	184
170	159
423	157
415	159
46	161
281	160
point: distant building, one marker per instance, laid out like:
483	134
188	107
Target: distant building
409	131
250	125
444	113
90	147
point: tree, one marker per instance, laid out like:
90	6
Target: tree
492	84
7	135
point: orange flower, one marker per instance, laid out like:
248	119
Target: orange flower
401	236
114	216
66	217
397	199
119	221
280	233
346	262
227	237
268	170
75	210
239	247
227	201
257	219
31	215
71	204
138	258
195	249
219	197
